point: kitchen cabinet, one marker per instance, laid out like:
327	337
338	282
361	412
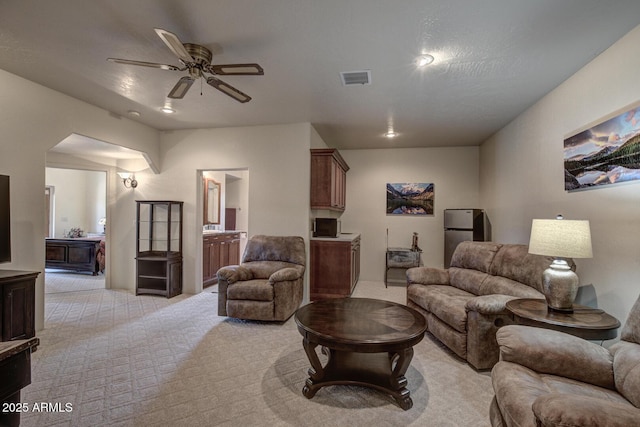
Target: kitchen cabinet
219	250
159	248
17	309
328	180
335	266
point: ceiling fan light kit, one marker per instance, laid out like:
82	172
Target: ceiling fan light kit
196	59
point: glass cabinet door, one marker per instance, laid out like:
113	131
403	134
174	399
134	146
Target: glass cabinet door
159	227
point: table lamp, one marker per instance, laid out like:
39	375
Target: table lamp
561	239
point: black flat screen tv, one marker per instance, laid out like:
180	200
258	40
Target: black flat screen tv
5	220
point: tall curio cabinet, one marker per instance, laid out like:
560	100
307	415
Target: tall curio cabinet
159	248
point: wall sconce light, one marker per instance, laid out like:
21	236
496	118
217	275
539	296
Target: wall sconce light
128	179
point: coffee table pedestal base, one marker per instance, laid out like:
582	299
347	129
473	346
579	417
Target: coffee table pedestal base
382	371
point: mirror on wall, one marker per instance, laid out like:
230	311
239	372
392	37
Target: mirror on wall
211	201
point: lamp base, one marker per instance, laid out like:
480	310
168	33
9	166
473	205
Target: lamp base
560	285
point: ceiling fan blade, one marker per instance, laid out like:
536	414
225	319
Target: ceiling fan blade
181	88
145	64
228	90
236	69
174	44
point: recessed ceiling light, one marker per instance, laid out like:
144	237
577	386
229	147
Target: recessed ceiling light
391	134
167	110
424	59
134	113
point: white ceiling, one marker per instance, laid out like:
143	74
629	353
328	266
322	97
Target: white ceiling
494	59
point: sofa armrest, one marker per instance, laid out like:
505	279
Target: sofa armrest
561	409
234	273
556	353
489	304
285	274
427	276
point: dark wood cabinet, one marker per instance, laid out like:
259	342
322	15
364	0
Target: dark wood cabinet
328	180
335	267
159	248
17	312
15	374
218	250
73	254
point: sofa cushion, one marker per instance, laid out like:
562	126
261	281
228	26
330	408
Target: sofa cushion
502	286
517	388
445	302
467	279
631	330
275	248
255	290
475	255
626	370
264	269
516	263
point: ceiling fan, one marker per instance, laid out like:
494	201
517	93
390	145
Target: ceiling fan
197	60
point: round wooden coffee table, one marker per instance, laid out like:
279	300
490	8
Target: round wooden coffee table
584	322
368	342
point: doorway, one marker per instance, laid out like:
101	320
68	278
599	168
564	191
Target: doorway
231	211
76	203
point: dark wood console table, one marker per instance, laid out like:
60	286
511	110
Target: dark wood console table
73	254
15	374
369	343
584	322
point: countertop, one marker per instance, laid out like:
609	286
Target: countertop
343	237
220	232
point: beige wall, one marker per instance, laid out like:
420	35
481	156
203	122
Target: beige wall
277	158
522	176
33	120
454	171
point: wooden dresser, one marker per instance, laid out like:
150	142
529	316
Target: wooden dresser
73	254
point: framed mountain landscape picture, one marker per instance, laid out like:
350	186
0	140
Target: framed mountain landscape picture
410	198
604	154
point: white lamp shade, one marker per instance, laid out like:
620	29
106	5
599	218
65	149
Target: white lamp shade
561	238
124	175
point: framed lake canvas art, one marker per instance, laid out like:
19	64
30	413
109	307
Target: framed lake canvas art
604	154
410	198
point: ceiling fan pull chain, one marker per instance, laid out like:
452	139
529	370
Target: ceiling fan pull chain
200	87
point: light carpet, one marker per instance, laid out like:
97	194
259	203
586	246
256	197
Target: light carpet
122	360
57	281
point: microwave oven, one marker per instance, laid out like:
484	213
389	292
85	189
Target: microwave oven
326	227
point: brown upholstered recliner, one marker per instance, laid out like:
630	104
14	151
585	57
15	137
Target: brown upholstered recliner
548	378
268	284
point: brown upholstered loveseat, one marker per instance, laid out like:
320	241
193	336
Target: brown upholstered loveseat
465	304
548	378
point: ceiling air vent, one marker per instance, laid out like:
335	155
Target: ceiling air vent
350	78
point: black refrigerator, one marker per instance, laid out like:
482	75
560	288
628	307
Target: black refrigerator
461	225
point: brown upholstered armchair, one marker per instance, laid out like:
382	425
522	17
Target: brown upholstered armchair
547	378
268	284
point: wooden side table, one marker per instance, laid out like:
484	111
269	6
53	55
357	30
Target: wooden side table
585	322
400	258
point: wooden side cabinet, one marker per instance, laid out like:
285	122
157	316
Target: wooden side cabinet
73	254
159	248
218	250
15	374
328	180
17	312
335	267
